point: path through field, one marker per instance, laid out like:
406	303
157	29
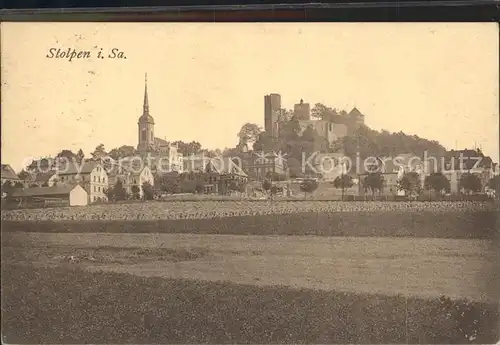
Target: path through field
420	267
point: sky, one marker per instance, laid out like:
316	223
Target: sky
205	80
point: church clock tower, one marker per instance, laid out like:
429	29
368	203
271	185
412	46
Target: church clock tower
146	125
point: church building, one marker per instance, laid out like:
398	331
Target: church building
163	155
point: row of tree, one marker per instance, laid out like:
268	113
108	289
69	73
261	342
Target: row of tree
118	192
411	184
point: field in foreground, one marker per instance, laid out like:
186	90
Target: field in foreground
390	266
154	210
479	224
68	305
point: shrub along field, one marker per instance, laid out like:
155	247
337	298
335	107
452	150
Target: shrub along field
468	224
69	305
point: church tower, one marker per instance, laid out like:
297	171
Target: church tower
146	125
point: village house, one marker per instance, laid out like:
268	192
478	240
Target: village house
8	174
260	166
459	162
63	195
48	179
130	176
90	175
223	173
392	170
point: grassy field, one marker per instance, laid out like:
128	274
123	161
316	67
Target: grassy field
467	224
68	305
413	267
358	277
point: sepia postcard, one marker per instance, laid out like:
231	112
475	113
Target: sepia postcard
250	183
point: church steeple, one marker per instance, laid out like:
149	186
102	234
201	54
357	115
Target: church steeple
146	124
146	101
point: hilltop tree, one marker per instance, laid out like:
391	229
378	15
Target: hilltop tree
323	112
68	154
308	186
188	149
343	182
437	182
249	133
285	115
470	183
410	183
266	143
99	152
120	152
80	156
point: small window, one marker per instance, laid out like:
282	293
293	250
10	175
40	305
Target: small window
95	189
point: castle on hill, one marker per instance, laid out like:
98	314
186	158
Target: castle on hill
332	129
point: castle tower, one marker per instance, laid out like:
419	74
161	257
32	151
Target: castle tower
302	111
272	108
146	124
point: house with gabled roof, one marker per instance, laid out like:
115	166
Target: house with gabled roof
222	173
48	179
8	174
72	195
90	175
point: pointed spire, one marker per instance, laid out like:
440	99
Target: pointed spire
146	102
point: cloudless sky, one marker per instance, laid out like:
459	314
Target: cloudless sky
435	80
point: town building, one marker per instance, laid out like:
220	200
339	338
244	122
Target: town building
260	166
63	195
195	163
272	113
8	174
392	170
130	176
459	162
222	174
47	179
90	175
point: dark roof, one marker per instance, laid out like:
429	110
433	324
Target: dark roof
44	177
469	160
73	168
161	142
43	191
355	112
9	173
